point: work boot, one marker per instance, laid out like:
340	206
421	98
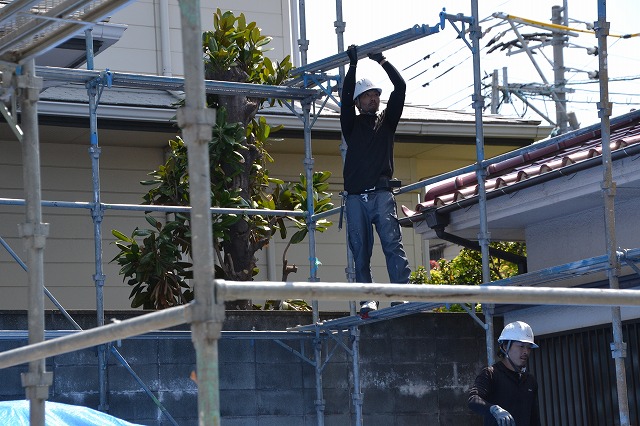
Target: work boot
366	307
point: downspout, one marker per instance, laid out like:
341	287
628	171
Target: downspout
165	40
438	222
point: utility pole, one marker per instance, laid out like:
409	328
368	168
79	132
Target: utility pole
495	92
556	90
558	42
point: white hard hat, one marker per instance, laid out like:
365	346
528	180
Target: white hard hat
363	85
519	331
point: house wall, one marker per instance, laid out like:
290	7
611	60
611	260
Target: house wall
70	253
414	371
139	49
571	238
564	222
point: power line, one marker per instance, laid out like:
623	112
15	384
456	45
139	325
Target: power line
611	79
453	94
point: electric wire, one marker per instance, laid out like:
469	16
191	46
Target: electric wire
571	80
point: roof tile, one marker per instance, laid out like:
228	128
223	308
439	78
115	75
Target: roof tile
569	149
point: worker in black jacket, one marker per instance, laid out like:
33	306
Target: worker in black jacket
368	171
505	393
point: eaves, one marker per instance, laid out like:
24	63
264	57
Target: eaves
562	176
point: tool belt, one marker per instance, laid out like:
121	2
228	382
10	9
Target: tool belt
384	184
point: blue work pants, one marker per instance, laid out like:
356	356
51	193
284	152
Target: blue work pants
363	212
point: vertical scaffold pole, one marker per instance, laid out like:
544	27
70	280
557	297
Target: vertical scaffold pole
354	332
34	234
618	347
303	44
313	261
97	214
484	236
196	121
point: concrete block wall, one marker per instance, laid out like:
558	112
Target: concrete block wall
414	370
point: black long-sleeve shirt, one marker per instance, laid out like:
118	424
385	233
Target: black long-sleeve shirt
498	385
369	137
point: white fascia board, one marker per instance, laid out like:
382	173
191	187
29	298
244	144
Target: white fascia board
449	129
116	112
149	114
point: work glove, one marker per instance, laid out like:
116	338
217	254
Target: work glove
352	52
376	57
502	416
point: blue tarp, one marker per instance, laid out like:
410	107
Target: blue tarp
16	413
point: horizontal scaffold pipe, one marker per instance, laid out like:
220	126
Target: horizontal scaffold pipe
231	290
96	336
155	208
141	81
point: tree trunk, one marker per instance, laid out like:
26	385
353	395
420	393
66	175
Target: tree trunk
240	249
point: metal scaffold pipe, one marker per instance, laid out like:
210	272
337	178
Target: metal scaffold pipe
618	346
119	79
230	290
34	234
196	122
95	336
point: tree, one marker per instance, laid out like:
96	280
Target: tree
158	268
466	269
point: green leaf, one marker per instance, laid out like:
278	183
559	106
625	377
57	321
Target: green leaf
299	236
119	235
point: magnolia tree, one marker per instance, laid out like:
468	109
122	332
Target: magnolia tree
155	261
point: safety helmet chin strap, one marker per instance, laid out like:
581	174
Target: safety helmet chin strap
517	369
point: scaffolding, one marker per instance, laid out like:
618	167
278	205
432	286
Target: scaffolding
19	75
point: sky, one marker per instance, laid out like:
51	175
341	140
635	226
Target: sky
439	68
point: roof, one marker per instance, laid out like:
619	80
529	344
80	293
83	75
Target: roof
157	98
528	164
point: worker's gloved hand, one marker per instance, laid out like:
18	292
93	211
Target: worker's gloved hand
502	416
376	57
352	52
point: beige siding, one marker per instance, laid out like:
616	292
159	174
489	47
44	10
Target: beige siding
70	250
138	51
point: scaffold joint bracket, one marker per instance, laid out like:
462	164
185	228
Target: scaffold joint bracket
31	82
199	121
618	350
38	232
37	384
